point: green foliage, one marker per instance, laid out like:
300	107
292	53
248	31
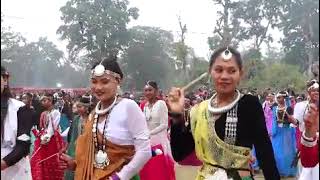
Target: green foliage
278	77
300	26
96	28
227	30
148	57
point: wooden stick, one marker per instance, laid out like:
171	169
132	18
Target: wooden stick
192	83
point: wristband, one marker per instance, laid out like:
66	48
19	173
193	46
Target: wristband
114	176
308	142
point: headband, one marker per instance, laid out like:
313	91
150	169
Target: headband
281	94
314	86
100	70
152	84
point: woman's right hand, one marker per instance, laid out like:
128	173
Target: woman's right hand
176	100
67	162
312	121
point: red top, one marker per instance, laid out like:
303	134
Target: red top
309	155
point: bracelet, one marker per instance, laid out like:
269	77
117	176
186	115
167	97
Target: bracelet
114	176
308	142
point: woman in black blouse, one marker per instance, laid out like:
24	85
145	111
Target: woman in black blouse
16	123
223	129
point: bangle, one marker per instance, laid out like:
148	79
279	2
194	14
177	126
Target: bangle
308	142
114	176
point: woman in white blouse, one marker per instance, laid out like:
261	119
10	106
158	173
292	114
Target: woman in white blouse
115	142
156	112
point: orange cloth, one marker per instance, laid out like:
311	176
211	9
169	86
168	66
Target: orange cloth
119	156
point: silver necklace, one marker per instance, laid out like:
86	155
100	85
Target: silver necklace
223	109
149	116
104	111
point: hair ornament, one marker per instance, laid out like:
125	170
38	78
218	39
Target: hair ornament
226	54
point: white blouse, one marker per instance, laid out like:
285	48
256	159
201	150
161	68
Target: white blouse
300	110
127	126
157	117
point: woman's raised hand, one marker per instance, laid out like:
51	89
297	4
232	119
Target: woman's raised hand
176	100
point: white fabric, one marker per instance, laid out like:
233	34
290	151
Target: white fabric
20	170
65	132
300	109
127	126
158	125
11	123
53	121
310	173
24	137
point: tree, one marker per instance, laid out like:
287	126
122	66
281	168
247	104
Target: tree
34	63
95	28
181	50
227	31
300	26
278	76
148	57
257	18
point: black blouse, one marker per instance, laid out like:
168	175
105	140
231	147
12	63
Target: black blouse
22	148
251	130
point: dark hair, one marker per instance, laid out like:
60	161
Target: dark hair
29	95
110	64
152	84
5	95
50	95
218	52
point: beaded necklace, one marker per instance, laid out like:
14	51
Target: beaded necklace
101	157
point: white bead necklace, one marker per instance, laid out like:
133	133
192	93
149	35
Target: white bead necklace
223	109
104	111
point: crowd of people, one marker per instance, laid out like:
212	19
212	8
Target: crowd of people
105	134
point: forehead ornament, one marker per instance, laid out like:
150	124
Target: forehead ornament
226	55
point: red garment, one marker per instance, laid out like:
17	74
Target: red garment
48	169
142	104
159	167
309	155
191	159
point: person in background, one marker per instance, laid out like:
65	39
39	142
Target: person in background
283	135
77	127
310	144
48	143
16	123
300	112
156	113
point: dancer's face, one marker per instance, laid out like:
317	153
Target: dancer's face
314	94
82	109
150	92
104	87
226	75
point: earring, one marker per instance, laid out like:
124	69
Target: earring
119	92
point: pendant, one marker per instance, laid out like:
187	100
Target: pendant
101	160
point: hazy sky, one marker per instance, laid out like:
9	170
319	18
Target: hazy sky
36	18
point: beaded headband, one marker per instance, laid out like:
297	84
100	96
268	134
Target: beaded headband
281	95
100	70
313	86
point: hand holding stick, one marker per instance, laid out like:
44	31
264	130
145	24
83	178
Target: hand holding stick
176	95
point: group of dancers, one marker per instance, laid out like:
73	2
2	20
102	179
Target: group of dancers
118	140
